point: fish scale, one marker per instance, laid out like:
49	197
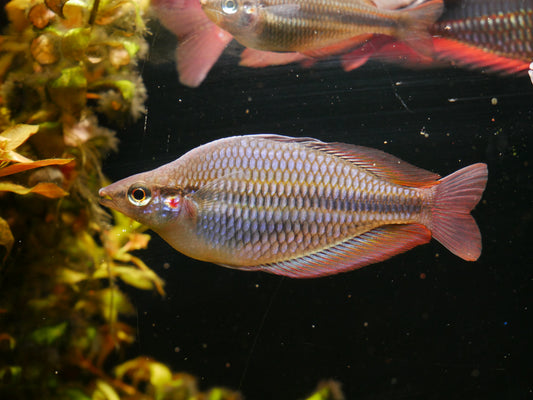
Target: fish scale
504	27
301	29
303	195
318	26
300	207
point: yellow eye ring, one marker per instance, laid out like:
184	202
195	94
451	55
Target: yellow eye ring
139	195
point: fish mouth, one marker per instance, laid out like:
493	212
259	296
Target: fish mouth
105	199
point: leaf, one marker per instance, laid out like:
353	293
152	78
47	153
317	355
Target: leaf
5	62
20	167
143	368
56	6
9	338
13	371
40	16
47	189
49	334
45	48
75	42
69	90
74	394
16	14
104	391
114	302
6	237
16	135
141	279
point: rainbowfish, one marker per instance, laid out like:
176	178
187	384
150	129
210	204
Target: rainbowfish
308	25
334	23
300	207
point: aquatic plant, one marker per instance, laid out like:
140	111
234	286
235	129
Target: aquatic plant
64	66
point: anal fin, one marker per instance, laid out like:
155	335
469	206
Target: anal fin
373	246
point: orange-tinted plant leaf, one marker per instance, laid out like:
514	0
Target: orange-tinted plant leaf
15	168
47	189
16	14
56	6
40	16
16	135
6	237
8	338
45	48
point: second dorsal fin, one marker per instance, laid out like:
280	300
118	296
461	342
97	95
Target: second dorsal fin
377	162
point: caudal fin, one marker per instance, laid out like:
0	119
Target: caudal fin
415	28
200	41
452	225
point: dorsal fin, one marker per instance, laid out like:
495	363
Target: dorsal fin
377	162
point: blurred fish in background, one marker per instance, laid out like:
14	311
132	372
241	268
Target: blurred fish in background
489	35
309	28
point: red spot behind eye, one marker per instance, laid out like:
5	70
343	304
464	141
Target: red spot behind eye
173	202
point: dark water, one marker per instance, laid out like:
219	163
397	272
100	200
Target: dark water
422	325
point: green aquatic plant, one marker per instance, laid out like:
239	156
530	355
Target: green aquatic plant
63	65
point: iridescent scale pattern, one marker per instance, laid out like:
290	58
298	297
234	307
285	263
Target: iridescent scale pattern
504	27
335	20
273	200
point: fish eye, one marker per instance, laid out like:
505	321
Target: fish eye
230	6
139	195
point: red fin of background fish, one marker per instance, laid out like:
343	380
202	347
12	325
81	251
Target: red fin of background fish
415	28
371	247
259	58
378	162
360	56
198	52
473	57
339	48
200	41
452	225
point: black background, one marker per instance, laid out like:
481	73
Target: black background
422	325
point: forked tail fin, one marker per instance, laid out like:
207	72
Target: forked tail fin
452	225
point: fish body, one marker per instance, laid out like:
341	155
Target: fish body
307	25
300	207
281	26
